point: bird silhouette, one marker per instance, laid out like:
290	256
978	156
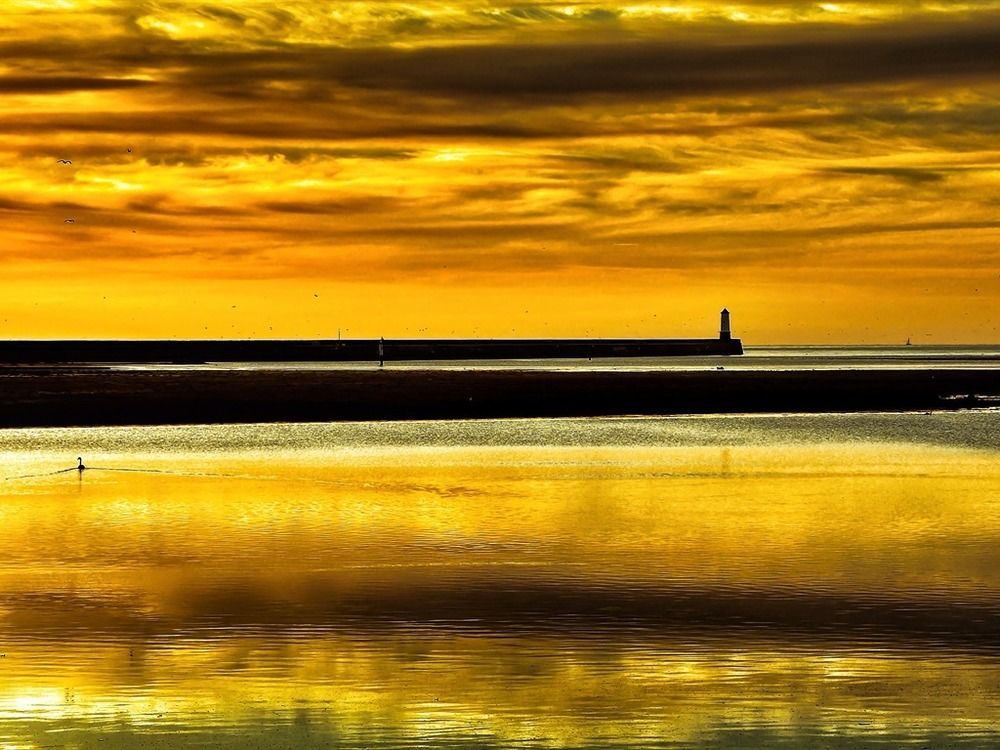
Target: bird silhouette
80	466
69	221
65	161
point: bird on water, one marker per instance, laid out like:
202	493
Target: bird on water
80	466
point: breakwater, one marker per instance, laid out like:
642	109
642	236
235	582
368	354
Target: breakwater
354	350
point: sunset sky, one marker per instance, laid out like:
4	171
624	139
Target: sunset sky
828	171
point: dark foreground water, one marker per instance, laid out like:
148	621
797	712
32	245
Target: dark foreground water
773	581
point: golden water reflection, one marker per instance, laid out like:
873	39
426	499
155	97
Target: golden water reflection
332	589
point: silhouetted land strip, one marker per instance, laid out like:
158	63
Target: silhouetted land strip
51	396
353	350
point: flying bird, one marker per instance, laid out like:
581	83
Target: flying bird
65	161
69	221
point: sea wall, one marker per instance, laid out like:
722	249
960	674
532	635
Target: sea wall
355	350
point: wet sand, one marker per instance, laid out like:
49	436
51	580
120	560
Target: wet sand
87	396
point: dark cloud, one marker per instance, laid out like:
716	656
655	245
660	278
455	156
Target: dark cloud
226	15
251	123
633	160
959	119
684	146
89	153
739	239
160	205
63	84
495	190
719	63
352	205
527	91
13	204
664	69
911	175
26	206
528	13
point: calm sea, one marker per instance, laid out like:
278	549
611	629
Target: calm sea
773	581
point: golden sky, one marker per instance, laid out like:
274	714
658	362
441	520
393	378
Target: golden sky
828	171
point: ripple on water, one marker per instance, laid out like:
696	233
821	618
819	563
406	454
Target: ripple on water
753	581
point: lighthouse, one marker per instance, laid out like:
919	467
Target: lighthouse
725	332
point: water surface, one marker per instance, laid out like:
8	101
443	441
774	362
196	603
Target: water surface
771	581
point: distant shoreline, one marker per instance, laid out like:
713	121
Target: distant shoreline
89	396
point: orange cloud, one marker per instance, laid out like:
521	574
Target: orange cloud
599	162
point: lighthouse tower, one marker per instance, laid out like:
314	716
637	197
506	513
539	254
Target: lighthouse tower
725	332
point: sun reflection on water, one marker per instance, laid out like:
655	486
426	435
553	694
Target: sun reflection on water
712	582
